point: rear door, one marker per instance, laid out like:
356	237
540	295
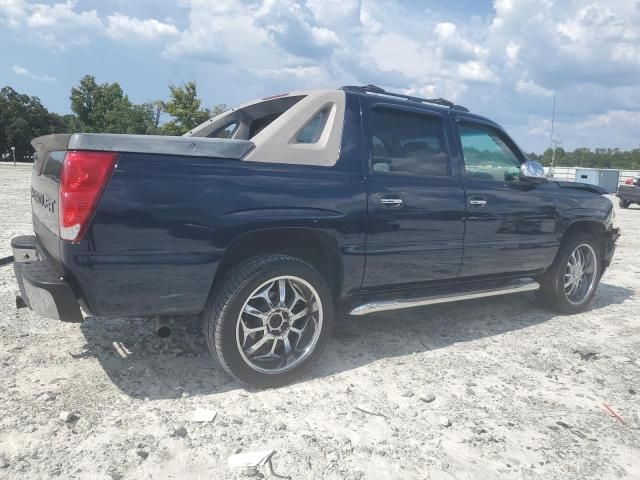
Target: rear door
510	223
416	204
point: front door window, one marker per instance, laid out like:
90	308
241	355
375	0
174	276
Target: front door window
486	155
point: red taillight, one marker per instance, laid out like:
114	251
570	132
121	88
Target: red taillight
84	176
628	181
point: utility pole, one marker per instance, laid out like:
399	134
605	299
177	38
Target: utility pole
555	143
551	142
13	150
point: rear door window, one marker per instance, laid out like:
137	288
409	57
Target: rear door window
408	143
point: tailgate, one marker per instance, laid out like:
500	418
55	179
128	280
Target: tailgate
45	181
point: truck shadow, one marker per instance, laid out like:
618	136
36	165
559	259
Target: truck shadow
144	366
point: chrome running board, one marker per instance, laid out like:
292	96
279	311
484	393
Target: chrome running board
520	285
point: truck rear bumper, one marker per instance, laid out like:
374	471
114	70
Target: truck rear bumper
42	287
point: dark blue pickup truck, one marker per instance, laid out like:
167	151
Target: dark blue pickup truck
268	217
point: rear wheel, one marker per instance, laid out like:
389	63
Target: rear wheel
570	283
624	203
271	320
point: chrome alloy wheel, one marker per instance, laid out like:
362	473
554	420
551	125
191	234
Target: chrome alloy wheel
580	274
279	324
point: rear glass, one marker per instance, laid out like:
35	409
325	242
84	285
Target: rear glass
260	124
247	122
225	132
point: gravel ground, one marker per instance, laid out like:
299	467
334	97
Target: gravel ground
482	389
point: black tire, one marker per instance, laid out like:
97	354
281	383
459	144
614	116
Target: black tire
624	203
224	308
552	290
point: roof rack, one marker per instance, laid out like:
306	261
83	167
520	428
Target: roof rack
381	91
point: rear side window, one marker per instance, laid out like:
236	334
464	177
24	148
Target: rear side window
487	154
312	131
408	143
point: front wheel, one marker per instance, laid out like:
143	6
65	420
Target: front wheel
271	320
570	283
624	203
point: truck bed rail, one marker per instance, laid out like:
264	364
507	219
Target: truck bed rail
160	144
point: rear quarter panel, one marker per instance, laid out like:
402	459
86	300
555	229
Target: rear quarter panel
164	222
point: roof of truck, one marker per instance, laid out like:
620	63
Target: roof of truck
364	90
373	89
429	103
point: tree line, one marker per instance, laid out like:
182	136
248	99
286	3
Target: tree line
97	108
105	108
585	157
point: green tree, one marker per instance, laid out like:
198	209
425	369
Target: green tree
23	118
585	157
155	110
105	108
184	107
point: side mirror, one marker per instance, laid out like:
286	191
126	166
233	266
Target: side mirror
532	171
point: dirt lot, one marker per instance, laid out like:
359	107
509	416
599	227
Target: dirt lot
518	392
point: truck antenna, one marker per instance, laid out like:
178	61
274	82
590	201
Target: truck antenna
553	121
551	142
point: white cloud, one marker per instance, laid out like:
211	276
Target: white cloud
564	42
297	73
476	71
12	12
57	26
506	62
530	87
123	28
512	50
384	48
453	46
611	129
335	14
217	33
63	25
369	24
198	44
292	26
62	15
23	72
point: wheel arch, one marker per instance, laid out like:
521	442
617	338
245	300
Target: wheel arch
596	228
316	247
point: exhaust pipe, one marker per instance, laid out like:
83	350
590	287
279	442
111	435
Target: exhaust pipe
163	327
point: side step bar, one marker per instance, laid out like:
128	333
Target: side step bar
520	285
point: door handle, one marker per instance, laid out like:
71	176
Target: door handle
391	201
477	202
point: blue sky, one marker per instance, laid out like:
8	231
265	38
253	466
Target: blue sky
505	59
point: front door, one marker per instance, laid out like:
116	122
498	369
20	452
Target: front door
416	205
510	222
